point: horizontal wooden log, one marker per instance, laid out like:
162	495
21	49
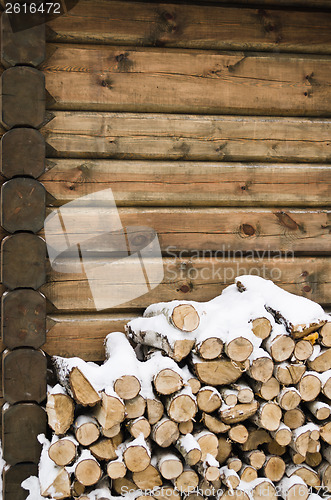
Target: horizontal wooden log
21	425
13	477
23	205
24	374
196	279
22	153
104	78
23	261
21	46
188	184
193	26
23	97
190	137
218	230
27	329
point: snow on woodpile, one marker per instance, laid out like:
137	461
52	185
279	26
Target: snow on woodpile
229	398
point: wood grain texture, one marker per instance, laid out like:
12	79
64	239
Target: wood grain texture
22	47
183	183
13	477
26	329
198	279
193	26
22	153
132	136
23	261
23	205
21	424
82	334
23	97
24	375
223	230
104	78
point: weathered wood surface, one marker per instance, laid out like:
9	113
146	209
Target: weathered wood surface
26	329
23	261
24	375
23	205
193	26
22	46
22	153
213	229
21	425
13	477
23	97
105	78
82	334
132	136
189	184
198	279
297	3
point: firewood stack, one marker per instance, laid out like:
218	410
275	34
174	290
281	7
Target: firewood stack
228	398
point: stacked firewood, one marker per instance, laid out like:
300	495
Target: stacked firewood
229	398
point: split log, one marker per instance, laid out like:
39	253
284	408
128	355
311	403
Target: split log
122	485
263	488
320	360
147	479
313	459
325	335
77	489
60	410
229	478
116	469
220	372
280	347
261	327
234	463
292	488
300	331
224	449
63	451
209	399
303	350
282	435
82	390
87	469
306	473
112	431
86	430
325	432
238	434
300	439
189	448
209	348
110	411
255	458
289	374
266	390
324	472
276	449
104	449
261	365
154	410
186	427
296	458
135	407
245	393
274	468
229	396
139	426
309	386
268	416
248	473
137	455
238	413
289	398
208	443
169	465
182	405
59	487
294	418
319	409
165	432
214	424
325	379
187	481
256	437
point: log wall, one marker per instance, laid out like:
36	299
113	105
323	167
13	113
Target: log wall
211	123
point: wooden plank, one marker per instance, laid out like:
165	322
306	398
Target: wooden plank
22	152
132	136
13	477
188	184
23	97
23	205
82	335
26	329
105	78
21	46
24	375
21	424
193	26
214	229
197	279
23	259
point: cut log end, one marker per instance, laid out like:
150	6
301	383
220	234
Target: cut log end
127	387
88	472
185	318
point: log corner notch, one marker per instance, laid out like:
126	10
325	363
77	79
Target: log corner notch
23	253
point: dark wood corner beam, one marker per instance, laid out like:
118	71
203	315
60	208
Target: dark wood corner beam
23	253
